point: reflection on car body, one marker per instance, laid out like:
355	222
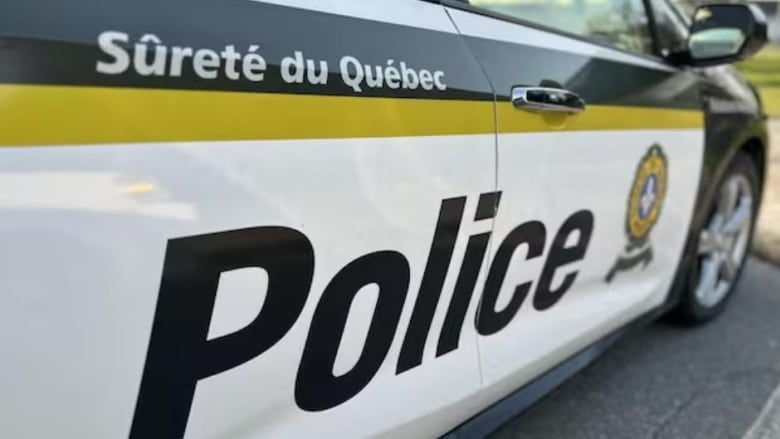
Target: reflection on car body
291	218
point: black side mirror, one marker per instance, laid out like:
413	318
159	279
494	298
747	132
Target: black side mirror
724	33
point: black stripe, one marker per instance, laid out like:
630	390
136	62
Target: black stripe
597	80
60	47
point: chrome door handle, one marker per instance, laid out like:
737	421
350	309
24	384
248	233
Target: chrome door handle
547	99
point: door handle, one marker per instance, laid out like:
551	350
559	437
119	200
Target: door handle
547	99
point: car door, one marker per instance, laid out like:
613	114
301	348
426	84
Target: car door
238	218
605	196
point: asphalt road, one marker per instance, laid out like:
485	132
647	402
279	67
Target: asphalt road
664	381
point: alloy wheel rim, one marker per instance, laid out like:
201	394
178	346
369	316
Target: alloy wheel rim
724	242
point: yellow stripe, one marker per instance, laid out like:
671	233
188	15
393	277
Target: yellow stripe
61	115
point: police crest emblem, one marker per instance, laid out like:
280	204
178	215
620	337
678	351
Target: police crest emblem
645	200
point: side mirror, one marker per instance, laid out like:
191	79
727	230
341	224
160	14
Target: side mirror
725	33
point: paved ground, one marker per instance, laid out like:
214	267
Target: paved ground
710	382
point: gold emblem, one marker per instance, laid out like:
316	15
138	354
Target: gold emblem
645	202
647	194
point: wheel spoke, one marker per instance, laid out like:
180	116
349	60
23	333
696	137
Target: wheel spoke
707	242
722	245
709	275
716	223
740	217
728	269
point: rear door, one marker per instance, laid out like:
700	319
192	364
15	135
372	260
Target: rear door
605	196
238	218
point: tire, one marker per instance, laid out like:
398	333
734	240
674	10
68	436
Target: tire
721	247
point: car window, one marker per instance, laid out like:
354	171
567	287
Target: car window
671	30
683	9
620	23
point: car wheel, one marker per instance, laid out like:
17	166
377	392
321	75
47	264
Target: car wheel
723	243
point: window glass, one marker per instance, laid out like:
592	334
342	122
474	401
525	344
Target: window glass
672	31
684	9
620	23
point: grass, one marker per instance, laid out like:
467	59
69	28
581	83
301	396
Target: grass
771	98
763	70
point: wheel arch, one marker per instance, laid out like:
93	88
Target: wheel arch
753	142
755	148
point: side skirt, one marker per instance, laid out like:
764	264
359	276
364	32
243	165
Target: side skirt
501	412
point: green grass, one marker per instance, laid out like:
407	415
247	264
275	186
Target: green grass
763	70
771	98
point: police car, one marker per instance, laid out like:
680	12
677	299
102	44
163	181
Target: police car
307	218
